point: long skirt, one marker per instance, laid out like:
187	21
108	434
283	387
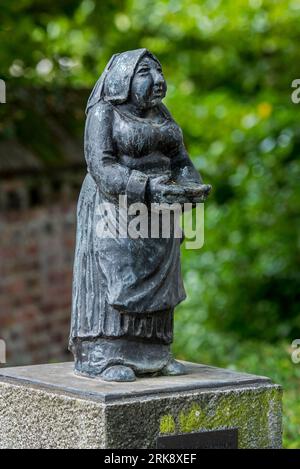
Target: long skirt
124	290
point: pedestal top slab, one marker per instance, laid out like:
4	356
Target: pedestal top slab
60	377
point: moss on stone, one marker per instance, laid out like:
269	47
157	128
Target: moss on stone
167	424
191	420
251	411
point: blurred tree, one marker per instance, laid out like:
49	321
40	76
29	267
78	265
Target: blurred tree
229	66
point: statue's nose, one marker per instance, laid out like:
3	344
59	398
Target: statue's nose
158	80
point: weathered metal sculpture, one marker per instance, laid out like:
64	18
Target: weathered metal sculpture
125	288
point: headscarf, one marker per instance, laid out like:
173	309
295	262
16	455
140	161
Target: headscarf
114	83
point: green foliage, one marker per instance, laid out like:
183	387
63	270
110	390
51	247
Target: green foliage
229	67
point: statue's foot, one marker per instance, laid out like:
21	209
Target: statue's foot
118	373
173	368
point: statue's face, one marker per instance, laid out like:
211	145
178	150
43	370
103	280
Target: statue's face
148	86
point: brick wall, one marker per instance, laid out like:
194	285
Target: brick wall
37	236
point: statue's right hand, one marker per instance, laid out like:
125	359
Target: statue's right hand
161	190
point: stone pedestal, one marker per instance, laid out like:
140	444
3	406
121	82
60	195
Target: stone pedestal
47	406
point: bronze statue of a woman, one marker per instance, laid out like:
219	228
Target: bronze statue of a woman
125	289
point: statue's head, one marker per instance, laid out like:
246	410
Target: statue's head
134	76
148	86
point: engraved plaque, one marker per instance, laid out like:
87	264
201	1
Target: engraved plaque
217	439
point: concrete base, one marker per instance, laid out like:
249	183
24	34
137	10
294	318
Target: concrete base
47	406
